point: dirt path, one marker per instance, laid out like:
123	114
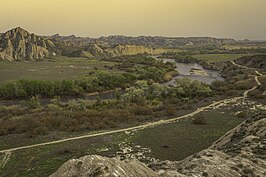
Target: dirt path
211	106
147	125
256	78
160	122
253	88
240	66
258	73
5	159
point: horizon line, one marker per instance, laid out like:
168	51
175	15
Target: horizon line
128	35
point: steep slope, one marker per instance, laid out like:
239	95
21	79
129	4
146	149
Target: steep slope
241	152
18	44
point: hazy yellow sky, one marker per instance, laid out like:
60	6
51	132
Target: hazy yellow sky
238	19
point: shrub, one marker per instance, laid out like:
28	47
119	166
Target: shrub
171	110
167	77
56	100
13	110
54	107
199	120
187	88
78	104
34	102
140	110
134	95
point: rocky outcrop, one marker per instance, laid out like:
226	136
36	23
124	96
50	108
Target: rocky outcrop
96	51
134	50
4	56
18	44
121	50
98	166
241	152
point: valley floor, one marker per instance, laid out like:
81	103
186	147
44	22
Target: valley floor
167	139
147	145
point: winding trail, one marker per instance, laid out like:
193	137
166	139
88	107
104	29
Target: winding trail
214	105
256	78
253	88
240	66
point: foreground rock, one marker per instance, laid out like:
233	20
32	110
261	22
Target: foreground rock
101	166
241	152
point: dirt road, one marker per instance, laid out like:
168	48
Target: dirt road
160	122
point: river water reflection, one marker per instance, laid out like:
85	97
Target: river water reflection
184	72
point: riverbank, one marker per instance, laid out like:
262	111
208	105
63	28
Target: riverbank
184	71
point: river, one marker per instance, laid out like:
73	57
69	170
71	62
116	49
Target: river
184	72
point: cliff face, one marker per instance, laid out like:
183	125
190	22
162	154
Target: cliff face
18	44
241	152
121	50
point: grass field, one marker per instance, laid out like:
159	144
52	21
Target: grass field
218	57
182	139
172	142
51	69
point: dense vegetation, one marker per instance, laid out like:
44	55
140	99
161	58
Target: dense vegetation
135	68
141	102
97	81
147	68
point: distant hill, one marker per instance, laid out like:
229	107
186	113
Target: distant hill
147	41
72	39
98	51
119	45
18	44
